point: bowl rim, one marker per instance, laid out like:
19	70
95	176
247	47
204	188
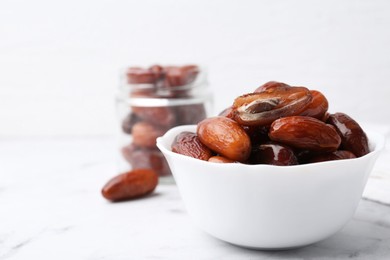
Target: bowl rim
375	139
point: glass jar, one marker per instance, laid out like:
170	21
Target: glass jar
150	102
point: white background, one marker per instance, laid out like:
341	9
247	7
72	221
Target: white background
60	60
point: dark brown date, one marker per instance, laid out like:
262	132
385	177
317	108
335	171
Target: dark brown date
274	154
257	134
265	107
225	137
353	138
188	144
130	185
304	132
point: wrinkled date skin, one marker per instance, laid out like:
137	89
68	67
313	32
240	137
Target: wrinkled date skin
188	144
140	158
317	107
220	159
130	185
336	155
353	138
265	107
225	137
269	85
145	134
274	154
304	132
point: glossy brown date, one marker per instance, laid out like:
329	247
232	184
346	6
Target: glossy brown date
274	154
130	185
187	143
305	133
317	107
225	137
353	138
265	107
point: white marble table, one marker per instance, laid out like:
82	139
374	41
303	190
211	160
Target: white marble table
51	208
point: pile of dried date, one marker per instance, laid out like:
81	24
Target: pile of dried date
277	124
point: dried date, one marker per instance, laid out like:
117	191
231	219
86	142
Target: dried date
305	133
225	137
265	107
188	144
130	185
353	138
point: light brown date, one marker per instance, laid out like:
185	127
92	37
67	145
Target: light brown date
305	133
188	143
265	107
353	138
130	185
225	137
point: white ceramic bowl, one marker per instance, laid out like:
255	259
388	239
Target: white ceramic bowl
266	206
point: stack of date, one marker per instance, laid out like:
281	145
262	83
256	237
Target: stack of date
277	124
147	122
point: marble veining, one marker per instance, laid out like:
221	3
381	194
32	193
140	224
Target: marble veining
51	208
